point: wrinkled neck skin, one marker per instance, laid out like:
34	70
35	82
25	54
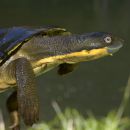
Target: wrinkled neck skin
59	45
52	46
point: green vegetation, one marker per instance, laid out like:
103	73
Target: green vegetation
73	120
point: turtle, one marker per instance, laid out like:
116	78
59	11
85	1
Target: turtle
27	52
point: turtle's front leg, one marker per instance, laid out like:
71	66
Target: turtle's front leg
24	101
28	104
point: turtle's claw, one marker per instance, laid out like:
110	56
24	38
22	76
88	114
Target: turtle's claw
15	127
15	120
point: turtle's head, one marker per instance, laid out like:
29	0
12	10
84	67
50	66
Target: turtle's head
91	46
98	44
98	40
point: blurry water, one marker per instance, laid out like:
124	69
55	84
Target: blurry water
95	86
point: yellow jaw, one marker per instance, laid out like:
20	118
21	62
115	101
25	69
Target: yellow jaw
74	57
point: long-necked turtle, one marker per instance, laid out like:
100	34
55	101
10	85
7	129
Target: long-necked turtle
27	52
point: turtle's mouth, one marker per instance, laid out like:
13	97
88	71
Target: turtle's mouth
114	48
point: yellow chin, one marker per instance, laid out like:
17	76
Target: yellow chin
75	57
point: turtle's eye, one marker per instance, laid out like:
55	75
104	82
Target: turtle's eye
107	39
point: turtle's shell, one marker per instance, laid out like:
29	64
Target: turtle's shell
11	39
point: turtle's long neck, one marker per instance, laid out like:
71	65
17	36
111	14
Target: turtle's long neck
57	45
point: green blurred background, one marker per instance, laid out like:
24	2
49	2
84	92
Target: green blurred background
95	86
